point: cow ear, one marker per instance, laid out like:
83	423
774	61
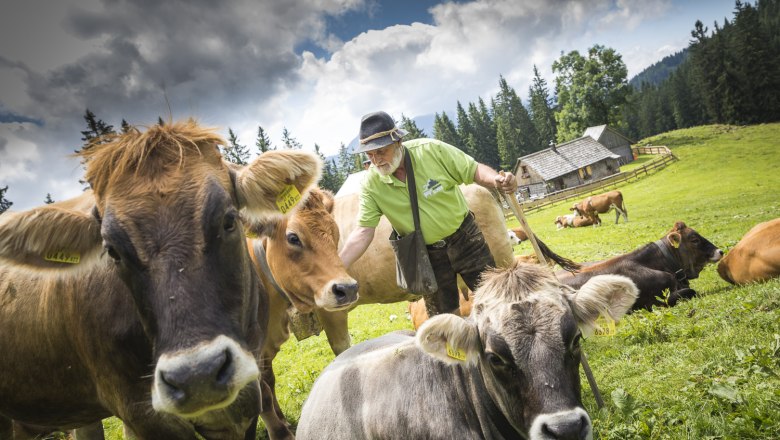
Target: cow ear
679	226
450	339
276	182
609	295
50	237
674	239
327	200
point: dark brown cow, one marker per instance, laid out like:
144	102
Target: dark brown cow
601	204
146	308
756	257
668	263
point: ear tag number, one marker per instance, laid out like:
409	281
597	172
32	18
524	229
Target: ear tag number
607	326
456	353
63	257
288	198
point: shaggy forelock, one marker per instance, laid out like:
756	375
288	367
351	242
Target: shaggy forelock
512	284
158	148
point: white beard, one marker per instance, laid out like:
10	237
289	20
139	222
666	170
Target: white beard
395	162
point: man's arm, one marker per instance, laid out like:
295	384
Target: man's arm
489	178
356	245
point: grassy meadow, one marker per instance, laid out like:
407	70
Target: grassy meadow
708	368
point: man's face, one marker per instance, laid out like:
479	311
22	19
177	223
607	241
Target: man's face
386	159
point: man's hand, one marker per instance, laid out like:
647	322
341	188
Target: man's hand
506	182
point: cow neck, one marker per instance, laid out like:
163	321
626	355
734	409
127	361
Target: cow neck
672	258
263	263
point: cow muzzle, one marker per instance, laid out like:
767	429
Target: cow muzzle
338	295
564	425
197	380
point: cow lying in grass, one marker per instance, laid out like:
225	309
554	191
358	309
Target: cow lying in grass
510	370
666	264
756	257
576	221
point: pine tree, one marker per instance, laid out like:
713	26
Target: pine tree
263	142
485	148
516	134
290	142
541	109
4	203
346	164
465	131
48	200
96	130
125	127
330	177
410	126
235	152
444	130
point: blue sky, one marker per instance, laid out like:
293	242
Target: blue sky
312	67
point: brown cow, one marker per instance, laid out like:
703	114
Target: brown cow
301	254
516	235
668	263
147	307
576	221
601	204
756	257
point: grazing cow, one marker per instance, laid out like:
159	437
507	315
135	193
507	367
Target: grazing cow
601	204
516	235
756	257
375	270
509	371
304	271
576	221
146	305
668	263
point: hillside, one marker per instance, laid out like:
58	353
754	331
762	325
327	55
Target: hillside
658	72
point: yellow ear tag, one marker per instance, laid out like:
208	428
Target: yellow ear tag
288	198
63	257
607	326
456	353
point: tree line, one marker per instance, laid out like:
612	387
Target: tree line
729	76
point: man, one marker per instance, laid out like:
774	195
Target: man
455	243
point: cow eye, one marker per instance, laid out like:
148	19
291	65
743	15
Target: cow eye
293	239
111	251
495	360
229	222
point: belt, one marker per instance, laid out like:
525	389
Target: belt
444	242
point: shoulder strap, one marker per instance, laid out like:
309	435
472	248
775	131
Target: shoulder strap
410	185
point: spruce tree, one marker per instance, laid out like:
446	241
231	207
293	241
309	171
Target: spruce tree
4	203
465	131
48	200
444	130
330	177
290	142
235	152
410	126
263	142
541	109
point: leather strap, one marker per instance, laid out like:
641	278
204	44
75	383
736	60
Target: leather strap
672	259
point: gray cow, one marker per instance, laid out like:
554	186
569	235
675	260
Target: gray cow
510	370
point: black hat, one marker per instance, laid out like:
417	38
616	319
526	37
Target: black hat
378	130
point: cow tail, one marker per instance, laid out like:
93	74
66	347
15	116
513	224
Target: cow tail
565	263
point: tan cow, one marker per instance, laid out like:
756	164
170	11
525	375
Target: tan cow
576	221
601	204
756	257
144	306
375	270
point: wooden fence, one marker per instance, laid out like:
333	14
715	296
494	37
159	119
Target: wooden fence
665	157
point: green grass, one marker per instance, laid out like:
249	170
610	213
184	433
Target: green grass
708	368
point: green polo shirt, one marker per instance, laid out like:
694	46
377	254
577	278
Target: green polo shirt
438	170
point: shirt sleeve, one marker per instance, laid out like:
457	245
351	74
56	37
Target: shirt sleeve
369	213
458	164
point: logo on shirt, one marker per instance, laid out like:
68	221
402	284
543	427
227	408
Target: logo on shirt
432	187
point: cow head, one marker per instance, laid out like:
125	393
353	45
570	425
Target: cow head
166	222
577	209
694	250
512	237
524	332
302	253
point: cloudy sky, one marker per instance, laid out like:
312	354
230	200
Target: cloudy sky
311	66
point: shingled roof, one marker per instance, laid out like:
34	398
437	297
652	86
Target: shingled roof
566	158
598	130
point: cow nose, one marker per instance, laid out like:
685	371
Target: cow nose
571	427
206	381
345	293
